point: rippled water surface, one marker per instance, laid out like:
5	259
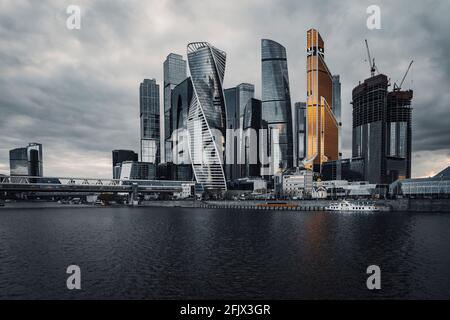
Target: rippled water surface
172	253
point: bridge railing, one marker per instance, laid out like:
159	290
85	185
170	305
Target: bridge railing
8	182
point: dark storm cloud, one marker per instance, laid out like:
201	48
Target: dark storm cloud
77	91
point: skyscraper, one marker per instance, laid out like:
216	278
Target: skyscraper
207	115
300	132
150	134
35	161
322	127
276	107
27	161
18	162
236	99
337	108
119	156
174	74
251	125
382	130
181	98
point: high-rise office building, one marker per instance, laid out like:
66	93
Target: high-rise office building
119	156
322	127
236	99
300	132
27	161
18	162
382	130
35	161
207	115
337	109
174	74
149	114
181	98
276	108
251	125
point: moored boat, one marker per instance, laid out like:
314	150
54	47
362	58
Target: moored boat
353	206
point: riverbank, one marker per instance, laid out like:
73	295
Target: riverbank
396	205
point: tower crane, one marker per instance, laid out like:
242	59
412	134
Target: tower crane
399	87
372	65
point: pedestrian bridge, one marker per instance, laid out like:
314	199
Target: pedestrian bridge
94	185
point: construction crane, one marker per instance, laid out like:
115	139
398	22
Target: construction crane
373	67
399	87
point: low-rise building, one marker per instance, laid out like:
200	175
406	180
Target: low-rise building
357	189
134	170
187	190
298	184
437	186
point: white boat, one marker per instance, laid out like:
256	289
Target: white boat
345	205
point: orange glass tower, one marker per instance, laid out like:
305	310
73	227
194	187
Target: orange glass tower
322	127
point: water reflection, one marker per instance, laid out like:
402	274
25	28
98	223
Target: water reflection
168	253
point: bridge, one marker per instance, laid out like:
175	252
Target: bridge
90	185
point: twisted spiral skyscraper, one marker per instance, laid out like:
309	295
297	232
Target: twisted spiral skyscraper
207	115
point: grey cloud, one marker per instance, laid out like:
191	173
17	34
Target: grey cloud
77	91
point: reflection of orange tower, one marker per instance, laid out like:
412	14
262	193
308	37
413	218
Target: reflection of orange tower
322	132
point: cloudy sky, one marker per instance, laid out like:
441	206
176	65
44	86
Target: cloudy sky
76	91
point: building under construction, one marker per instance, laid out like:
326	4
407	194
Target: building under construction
382	130
381	144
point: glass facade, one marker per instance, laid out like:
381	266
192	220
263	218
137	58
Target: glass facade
119	156
251	125
174	73
134	170
337	108
236	99
150	150
35	161
437	186
27	161
382	130
149	114
343	169
18	162
276	107
207	115
179	151
300	132
322	126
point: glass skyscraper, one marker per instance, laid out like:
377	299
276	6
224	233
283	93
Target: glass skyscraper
382	130
149	114
251	125
18	162
337	108
236	99
322	127
181	98
276	107
119	156
27	161
300	132
207	115
174	74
